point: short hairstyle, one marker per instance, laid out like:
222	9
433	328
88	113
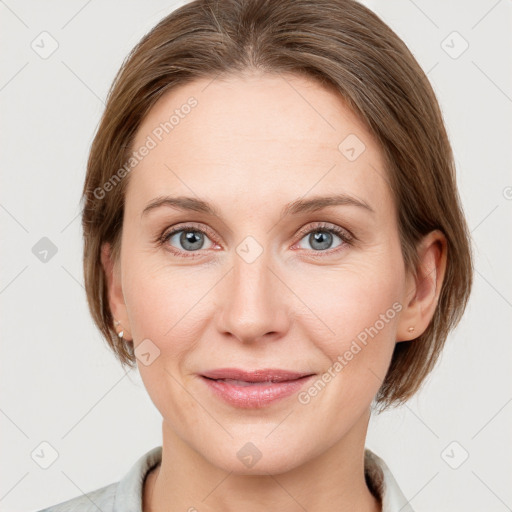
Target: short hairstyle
349	49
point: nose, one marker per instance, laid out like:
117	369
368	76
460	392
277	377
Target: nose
255	303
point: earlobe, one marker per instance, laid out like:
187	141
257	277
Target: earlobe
115	291
422	296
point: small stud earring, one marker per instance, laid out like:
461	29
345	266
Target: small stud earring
117	322
411	329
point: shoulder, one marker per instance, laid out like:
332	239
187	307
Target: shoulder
99	499
118	496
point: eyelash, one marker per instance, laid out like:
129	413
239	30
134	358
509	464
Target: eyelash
346	237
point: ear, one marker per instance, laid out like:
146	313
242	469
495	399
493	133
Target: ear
115	291
422	291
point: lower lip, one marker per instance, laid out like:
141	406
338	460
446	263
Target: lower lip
255	395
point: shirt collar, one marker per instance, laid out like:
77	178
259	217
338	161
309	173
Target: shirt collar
128	496
379	478
382	482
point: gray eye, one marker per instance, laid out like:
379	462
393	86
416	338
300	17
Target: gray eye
320	240
189	239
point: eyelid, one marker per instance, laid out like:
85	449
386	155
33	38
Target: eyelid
343	233
190	226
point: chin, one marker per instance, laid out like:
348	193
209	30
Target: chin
258	455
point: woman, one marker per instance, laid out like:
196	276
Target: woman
273	235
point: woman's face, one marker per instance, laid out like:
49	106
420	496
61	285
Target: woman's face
252	287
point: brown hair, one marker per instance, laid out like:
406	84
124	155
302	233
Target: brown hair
345	46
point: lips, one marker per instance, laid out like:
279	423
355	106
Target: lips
263	375
253	389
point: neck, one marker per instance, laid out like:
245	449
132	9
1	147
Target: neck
334	480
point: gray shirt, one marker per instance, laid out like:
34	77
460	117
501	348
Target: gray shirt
126	495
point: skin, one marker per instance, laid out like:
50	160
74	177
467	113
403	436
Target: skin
252	145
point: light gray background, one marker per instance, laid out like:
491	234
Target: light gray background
60	384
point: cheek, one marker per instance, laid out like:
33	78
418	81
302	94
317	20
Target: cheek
361	313
352	298
166	305
360	305
150	304
163	307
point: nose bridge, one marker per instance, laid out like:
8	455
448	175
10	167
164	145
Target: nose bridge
253	304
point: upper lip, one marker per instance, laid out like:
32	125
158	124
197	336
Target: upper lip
262	375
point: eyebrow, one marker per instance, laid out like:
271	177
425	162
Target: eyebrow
295	207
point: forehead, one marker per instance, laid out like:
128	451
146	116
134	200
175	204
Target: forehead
247	136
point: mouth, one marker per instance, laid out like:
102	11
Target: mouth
254	389
253	376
